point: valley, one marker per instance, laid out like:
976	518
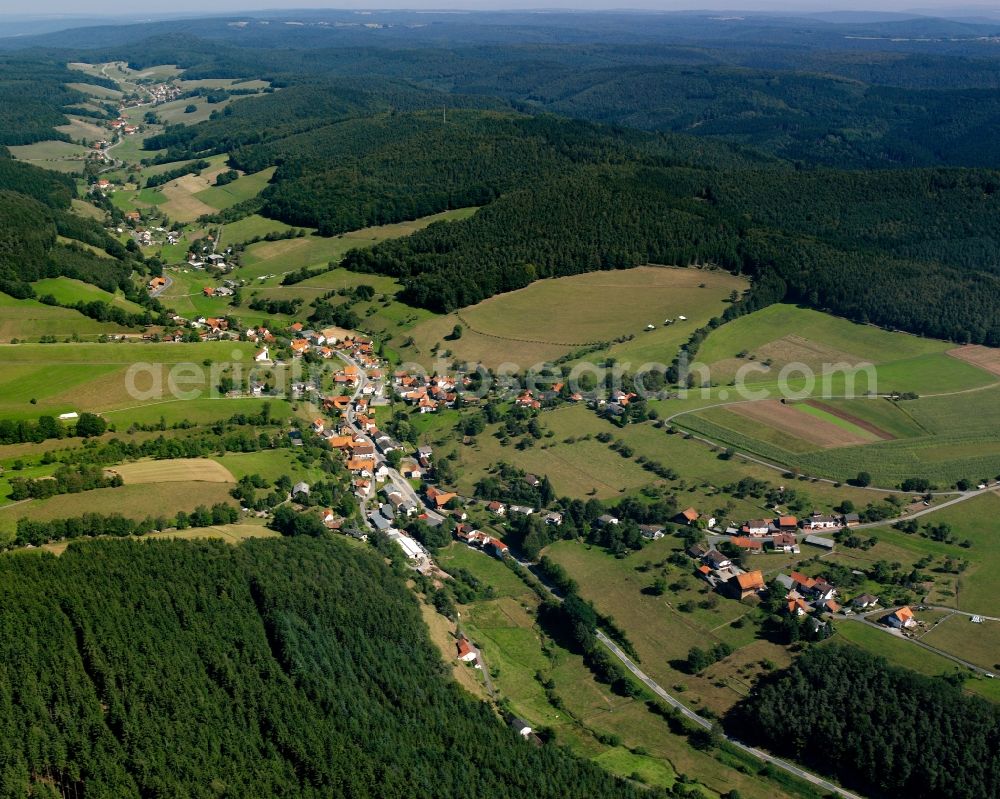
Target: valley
352	399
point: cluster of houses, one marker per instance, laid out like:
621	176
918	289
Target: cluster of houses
215	260
123	126
480	540
161	93
808	594
781	534
725	576
428	393
328	341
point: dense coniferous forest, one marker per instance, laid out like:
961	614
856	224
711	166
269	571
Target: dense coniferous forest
276	668
885	730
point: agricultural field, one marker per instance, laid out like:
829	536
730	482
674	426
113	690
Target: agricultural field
136	501
60	378
943	439
946	433
986	358
553	318
179	470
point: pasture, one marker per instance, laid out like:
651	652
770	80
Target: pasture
31	319
180	470
289	255
93	90
554	317
250	227
80	129
803	334
269	464
57	155
976	643
243	188
229	533
67	291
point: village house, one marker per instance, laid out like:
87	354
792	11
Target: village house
864	602
758	527
496	508
744	585
688	516
820	522
466	653
716	561
651	532
439	498
784	542
901	619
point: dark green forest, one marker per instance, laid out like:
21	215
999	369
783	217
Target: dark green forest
34	209
754	160
885	731
276	668
34	98
917	250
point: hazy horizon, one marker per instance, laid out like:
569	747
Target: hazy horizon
111	11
